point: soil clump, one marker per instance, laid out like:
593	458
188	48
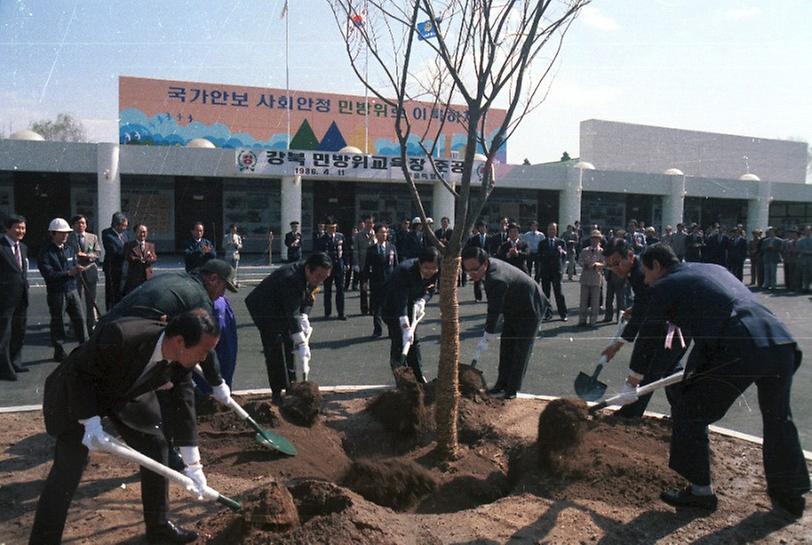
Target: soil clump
561	426
302	403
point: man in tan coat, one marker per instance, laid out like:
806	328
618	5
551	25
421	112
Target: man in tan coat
591	261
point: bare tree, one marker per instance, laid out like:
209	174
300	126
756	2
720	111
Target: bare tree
483	54
64	128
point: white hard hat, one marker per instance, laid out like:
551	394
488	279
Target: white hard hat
429	220
59	225
416	220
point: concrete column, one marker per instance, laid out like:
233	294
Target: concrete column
108	184
758	209
569	199
291	208
674	201
442	203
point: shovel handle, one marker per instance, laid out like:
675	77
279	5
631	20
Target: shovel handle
473	363
597	372
234	505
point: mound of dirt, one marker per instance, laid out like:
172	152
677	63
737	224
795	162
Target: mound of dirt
561	425
397	483
302	403
263	411
403	411
475	419
472	382
272	508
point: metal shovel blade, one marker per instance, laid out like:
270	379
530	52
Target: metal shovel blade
588	387
272	440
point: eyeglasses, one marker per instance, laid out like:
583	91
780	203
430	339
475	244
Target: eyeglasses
469	271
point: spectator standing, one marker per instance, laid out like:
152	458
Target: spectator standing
679	242
293	242
804	247
412	243
363	240
668	236
445	231
716	243
140	256
693	244
737	253
113	240
59	271
13	296
551	251
198	249
232	245
88	251
332	244
591	262
756	265
532	238
771	257
790	255
499	237
571	239
514	250
651	236
321	230
478	240
380	261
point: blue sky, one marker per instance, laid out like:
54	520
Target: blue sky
737	67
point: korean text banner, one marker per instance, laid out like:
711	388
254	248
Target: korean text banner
171	113
318	164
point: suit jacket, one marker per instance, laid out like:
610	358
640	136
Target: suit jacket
277	303
715	250
335	247
444	235
103	378
495	241
53	264
410	246
139	264
550	256
520	259
404	287
13	280
713	308
737	250
477	241
293	242
512	294
378	268
90	246
113	250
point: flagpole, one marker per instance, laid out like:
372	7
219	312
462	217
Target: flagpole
366	88
287	67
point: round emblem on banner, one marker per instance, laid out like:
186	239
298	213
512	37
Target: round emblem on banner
247	160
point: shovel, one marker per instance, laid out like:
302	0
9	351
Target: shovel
122	450
631	397
267	439
412	327
588	387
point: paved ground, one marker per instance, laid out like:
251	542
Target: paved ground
344	353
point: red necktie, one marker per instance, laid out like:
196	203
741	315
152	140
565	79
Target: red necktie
18	255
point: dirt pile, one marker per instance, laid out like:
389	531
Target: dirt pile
561	425
272	508
404	410
302	403
397	483
472	382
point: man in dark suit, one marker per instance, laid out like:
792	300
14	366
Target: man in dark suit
198	250
332	244
293	242
514	250
716	243
380	261
478	240
279	306
412	243
737	253
445	232
552	250
499	237
113	240
13	296
140	256
59	269
88	252
737	342
115	375
409	288
514	295
694	244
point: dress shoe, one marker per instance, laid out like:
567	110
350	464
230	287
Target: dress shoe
509	394
342	318
686	498
169	533
792	506
20	369
497	389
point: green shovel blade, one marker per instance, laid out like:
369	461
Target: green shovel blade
275	441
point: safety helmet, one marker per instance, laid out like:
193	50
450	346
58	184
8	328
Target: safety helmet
59	225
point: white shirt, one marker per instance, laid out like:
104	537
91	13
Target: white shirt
157	355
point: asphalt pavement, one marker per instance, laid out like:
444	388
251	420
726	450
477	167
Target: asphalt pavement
344	353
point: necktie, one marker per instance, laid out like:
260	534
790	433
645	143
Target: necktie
82	242
18	256
380	250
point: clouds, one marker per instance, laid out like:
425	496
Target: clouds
592	17
742	12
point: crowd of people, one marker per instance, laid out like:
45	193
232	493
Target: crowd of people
683	285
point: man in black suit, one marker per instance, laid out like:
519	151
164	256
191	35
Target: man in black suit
293	242
737	342
333	244
198	250
737	253
413	242
514	250
113	240
478	240
115	375
716	246
499	237
13	297
552	250
88	251
279	306
445	232
409	288
381	260
57	264
514	295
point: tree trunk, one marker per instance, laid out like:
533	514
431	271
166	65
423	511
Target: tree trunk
448	372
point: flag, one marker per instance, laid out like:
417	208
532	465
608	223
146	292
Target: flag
357	19
427	29
284	10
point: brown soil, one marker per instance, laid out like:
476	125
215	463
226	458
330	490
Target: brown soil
604	489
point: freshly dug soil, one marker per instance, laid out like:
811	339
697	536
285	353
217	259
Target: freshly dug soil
561	425
395	483
605	490
301	403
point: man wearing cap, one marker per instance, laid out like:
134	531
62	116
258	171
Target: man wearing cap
13	296
332	244
515	296
279	307
293	242
591	262
58	267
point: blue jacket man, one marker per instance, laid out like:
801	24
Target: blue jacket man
737	342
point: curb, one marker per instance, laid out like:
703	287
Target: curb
374	387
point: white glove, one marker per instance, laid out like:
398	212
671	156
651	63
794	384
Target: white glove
298	338
303	352
406	331
483	344
356	268
627	394
419	307
221	393
94	435
194	470
304	323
